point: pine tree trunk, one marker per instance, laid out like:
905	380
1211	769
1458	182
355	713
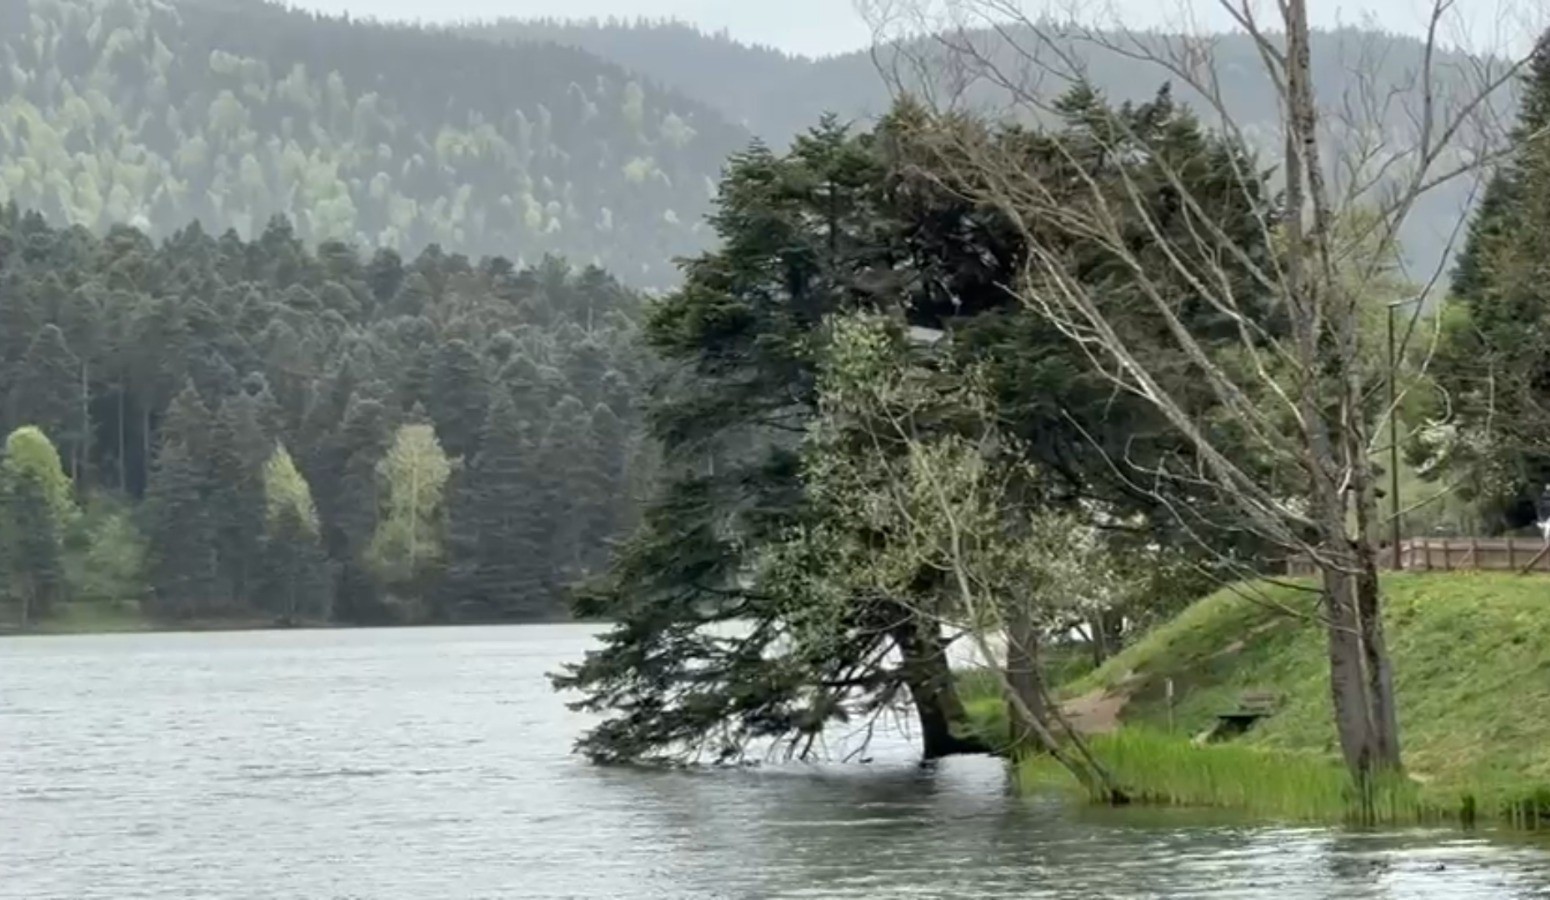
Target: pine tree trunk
83	446
930	682
123	449
145	445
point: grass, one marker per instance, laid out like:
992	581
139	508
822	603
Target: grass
1159	768
1472	665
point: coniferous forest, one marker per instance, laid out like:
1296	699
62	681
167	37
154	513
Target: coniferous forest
256	430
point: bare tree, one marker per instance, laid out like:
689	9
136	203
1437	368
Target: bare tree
1346	175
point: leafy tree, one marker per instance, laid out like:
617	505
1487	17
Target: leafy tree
106	560
36	509
296	573
409	545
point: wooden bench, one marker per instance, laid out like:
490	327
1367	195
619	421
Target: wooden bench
1252	706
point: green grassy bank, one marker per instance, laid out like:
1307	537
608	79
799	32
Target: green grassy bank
1472	660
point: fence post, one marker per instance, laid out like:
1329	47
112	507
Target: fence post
1474	553
1512	557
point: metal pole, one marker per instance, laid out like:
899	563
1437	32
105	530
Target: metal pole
1399	562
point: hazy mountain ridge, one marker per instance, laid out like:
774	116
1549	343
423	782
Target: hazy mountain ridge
230	111
777	96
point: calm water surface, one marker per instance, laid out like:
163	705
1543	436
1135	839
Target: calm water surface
434	765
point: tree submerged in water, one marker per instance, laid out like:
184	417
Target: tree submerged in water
706	658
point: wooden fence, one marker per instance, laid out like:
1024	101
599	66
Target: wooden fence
1507	554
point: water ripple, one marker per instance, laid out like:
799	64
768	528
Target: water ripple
435	765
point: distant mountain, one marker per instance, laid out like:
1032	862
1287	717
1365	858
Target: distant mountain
776	95
231	111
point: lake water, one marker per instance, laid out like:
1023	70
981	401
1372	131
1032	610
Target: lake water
434	764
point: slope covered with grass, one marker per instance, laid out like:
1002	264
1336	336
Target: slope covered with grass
1472	663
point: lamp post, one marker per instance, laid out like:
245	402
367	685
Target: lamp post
1399	562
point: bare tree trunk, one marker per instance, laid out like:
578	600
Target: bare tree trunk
1379	667
1347	685
1023	679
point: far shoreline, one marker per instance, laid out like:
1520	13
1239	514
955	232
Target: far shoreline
124	621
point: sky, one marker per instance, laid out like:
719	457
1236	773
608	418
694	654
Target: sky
819	27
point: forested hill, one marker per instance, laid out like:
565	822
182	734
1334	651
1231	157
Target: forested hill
777	95
261	430
230	111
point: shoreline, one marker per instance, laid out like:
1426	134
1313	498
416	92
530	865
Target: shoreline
78	623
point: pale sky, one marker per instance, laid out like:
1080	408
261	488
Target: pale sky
818	27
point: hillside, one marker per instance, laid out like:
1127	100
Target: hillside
1470	663
231	111
777	96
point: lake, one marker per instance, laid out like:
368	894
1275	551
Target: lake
435	764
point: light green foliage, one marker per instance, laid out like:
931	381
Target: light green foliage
231	112
36	508
295	568
286	493
31	457
907	491
106	556
410	539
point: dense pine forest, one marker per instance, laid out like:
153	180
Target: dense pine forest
258	430
231	111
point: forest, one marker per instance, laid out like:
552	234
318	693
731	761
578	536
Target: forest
260	431
601	142
233	111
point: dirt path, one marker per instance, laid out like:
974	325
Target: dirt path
1096	712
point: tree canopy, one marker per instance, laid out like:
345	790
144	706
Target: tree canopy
171	371
843	222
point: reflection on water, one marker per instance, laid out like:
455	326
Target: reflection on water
434	764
